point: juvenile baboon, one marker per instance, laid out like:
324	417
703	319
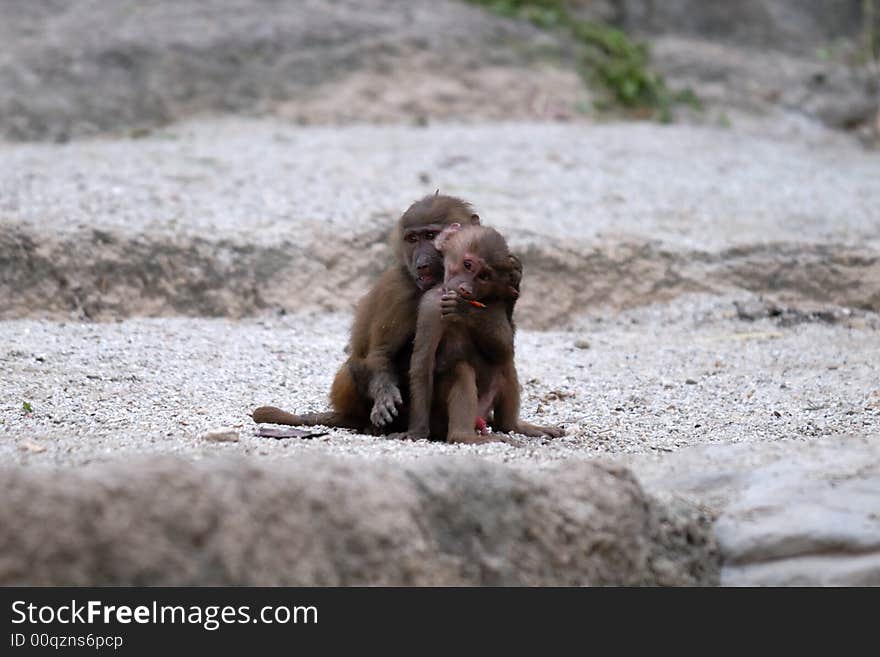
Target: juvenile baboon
369	392
462	369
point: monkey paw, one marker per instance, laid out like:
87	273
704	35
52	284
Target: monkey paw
452	305
385	406
535	431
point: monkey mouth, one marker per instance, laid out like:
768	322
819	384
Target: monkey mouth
426	280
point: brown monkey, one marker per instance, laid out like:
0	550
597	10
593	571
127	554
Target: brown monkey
462	365
370	389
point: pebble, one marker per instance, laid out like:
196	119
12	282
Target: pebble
221	436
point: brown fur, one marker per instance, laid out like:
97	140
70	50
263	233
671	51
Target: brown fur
463	360
369	392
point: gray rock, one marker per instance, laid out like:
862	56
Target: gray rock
156	62
787	515
800	25
746	83
791	528
167	521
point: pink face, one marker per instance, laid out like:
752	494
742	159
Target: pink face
466	272
468	275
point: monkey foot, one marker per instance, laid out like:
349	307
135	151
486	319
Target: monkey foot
536	431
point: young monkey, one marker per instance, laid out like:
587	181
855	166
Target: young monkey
462	365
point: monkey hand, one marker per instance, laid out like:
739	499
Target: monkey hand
385	405
452	306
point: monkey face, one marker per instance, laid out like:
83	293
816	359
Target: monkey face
478	266
474	278
470	277
412	240
423	260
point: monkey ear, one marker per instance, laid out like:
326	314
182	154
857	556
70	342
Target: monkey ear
475	219
513	292
444	235
515	271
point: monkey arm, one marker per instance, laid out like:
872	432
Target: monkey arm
388	319
489	328
429	332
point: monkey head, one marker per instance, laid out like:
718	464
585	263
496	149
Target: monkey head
413	238
478	264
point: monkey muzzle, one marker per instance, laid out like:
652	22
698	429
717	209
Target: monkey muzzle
426	276
426	279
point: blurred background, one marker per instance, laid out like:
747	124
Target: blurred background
233	156
74	69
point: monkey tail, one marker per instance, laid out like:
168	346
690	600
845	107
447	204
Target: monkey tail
274	415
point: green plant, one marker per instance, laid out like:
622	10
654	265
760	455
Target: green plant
871	21
26	407
608	58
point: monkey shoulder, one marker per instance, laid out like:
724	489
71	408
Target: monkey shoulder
385	317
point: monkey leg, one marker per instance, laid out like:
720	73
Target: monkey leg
348	395
506	412
462	405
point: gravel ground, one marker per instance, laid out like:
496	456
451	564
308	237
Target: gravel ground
263	182
653	380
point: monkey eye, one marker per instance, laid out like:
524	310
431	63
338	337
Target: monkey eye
468	265
412	237
484	276
430	235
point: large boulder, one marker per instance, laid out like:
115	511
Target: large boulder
169	521
790	513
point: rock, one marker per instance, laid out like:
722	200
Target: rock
182	58
790	529
32	447
331	521
221	436
581	344
796	25
789	514
748	82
